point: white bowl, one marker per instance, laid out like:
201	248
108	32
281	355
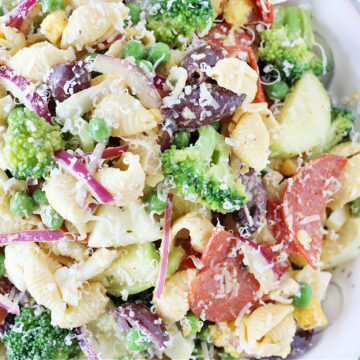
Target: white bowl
338	22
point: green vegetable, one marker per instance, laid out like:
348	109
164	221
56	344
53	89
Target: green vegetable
304	119
216	125
225	356
175	21
159	53
134	48
287	46
99	130
277	91
30	142
39	197
154	203
78	128
134	13
355	207
2	265
51	218
21	204
136	340
1	11
341	125
202	172
49	6
181	139
145	66
304	299
33	337
205	333
191	324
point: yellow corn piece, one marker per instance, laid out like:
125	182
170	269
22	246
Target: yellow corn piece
311	316
53	25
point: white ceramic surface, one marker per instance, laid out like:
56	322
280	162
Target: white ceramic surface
338	21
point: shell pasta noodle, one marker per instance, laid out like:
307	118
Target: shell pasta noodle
177	180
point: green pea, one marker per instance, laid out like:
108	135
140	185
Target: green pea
304	299
89	57
134	48
51	218
191	324
39	197
134	12
99	130
136	340
159	53
277	91
355	207
153	202
49	6
181	139
2	265
145	66
21	204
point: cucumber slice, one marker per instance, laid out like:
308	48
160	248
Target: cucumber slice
279	19
293	23
307	29
138	268
304	119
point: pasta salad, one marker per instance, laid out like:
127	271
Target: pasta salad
176	182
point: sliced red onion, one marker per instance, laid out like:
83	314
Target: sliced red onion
18	15
139	83
92	166
119	319
114	151
260	265
31	235
23	89
140	317
9	305
81	173
165	248
87	343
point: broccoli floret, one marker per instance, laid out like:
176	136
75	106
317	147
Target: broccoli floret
30	142
33	337
287	46
175	21
341	125
201	173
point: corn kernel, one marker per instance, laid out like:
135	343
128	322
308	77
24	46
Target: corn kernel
53	25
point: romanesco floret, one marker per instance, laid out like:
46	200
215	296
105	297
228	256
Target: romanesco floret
33	337
175	21
201	173
287	46
30	142
341	125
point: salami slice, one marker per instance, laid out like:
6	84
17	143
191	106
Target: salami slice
220	292
304	203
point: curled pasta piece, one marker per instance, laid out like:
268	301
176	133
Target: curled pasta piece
236	75
11	41
6	105
125	114
218	6
60	191
145	145
68	248
91	304
126	185
74	4
196	226
93	23
35	61
346	149
53	25
174	304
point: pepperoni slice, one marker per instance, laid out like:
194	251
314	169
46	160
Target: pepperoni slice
265	11
278	228
220	35
220	292
278	257
187	262
304	203
260	94
221	247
